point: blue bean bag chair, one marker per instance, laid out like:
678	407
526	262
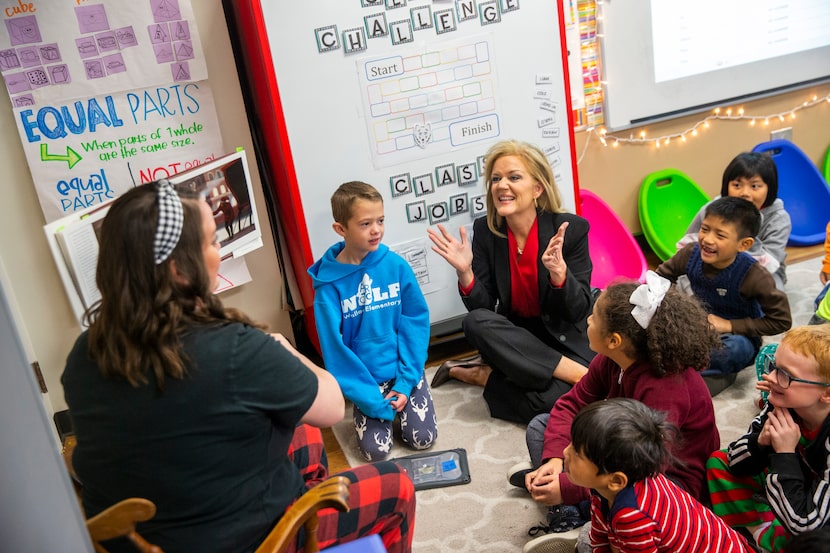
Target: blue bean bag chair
803	189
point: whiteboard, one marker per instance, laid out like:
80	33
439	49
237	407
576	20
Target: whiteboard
407	96
666	59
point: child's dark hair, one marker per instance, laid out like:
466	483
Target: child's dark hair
738	211
345	196
624	435
747	165
678	335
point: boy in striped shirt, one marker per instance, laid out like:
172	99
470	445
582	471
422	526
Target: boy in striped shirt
619	449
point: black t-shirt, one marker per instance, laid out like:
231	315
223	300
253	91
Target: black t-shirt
209	451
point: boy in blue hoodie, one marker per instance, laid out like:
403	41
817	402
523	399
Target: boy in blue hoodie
373	325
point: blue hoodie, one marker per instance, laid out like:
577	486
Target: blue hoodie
373	324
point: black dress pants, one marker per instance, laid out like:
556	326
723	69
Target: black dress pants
523	357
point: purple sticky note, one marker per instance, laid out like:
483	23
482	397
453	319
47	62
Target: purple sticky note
165	10
23	30
9	60
126	37
158	33
92	19
17	82
59	74
180	30
164	52
183	50
37	77
28	56
181	71
114	63
94	69
50	53
106	42
86	47
24	100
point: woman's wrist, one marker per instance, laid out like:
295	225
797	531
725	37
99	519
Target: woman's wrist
465	278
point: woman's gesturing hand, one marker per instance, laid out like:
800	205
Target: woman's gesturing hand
553	260
459	254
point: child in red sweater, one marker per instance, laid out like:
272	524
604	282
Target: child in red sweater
651	343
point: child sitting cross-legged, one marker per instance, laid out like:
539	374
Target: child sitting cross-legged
619	449
740	295
774	479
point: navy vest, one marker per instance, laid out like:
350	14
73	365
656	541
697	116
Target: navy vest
721	295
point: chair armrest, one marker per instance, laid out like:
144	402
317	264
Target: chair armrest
120	520
333	492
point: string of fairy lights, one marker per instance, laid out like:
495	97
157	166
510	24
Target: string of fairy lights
719	114
642	138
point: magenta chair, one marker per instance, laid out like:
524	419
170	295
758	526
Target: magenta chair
614	251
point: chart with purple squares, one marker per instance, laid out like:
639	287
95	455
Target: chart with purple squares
65	50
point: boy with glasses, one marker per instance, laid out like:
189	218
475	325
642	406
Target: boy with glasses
775	479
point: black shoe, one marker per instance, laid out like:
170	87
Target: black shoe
516	474
561	518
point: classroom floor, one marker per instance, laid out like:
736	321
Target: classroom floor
455	346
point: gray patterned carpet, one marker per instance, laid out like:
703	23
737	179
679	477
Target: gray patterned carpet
488	515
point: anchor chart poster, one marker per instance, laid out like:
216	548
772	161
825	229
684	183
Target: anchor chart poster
106	95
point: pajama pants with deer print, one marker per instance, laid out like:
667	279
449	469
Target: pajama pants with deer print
418	423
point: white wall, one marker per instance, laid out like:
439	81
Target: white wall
46	323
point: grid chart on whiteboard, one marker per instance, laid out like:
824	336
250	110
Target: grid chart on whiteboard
439	98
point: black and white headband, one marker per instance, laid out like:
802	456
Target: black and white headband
171	220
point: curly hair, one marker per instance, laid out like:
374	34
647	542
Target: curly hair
538	168
136	326
678	336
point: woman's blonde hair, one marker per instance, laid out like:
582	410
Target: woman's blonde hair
537	166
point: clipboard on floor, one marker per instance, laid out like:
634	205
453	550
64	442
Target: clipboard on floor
436	469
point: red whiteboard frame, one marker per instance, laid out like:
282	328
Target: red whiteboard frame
247	29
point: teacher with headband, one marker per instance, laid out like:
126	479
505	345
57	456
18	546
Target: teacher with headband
177	399
651	341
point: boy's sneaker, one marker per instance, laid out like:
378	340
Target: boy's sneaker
564	542
561	532
516	474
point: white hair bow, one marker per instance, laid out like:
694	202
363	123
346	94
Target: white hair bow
646	298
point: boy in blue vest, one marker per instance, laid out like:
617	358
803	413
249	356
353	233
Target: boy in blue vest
373	324
740	295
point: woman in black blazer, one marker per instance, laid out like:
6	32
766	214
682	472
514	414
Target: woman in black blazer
525	281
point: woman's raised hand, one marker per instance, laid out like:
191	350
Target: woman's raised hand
553	260
459	254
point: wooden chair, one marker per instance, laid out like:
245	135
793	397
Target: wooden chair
333	492
120	519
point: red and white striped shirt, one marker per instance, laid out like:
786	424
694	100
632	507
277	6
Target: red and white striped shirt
656	516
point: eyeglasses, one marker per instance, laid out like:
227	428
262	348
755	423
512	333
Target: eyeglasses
782	377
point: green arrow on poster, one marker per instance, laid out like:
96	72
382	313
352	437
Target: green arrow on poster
71	156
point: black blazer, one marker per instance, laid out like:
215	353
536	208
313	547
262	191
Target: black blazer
564	310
